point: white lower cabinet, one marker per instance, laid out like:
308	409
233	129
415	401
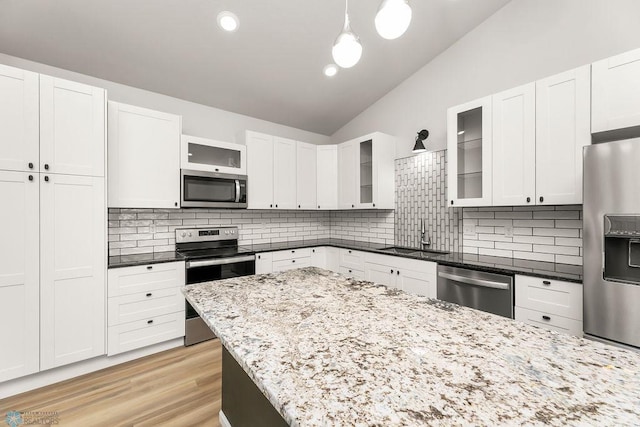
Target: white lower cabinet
264	263
19	276
412	276
145	306
551	304
326	257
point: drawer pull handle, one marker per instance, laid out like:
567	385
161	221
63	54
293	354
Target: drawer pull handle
547	318
149	294
546	282
293	260
149	267
149	322
293	252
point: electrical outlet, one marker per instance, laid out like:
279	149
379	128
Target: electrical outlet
469	229
508	231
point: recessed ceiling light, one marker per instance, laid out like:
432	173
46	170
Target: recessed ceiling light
330	70
228	21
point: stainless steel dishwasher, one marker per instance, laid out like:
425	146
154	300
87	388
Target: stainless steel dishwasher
488	292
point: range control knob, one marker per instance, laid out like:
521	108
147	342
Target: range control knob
183	234
190	235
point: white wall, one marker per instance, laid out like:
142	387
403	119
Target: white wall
197	119
524	41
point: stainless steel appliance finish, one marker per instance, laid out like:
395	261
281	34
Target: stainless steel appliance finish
488	292
200	189
210	254
611	241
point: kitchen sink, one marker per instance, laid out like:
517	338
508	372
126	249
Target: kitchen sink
412	251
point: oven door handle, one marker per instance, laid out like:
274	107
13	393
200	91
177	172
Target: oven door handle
237	191
476	282
219	261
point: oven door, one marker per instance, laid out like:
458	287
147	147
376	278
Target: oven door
212	190
198	271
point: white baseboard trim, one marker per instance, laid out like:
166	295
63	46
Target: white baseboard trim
224	422
52	376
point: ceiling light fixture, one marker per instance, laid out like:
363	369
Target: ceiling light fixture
347	49
228	21
330	70
419	146
393	18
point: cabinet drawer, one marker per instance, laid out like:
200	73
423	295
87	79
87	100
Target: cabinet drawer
145	278
291	254
141	333
549	321
549	296
352	259
290	264
144	305
354	273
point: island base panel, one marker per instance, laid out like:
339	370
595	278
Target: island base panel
243	404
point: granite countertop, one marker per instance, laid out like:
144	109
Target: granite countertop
327	350
547	270
142	259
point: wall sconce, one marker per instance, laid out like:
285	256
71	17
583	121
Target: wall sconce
419	146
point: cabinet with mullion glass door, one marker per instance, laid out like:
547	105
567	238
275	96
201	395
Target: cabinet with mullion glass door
469	151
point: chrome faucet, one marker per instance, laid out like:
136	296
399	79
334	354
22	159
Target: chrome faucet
423	232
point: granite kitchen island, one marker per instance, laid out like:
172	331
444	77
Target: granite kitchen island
327	350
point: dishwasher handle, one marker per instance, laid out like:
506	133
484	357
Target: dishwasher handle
475	282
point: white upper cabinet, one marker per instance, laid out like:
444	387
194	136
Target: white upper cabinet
144	157
72	128
615	86
213	156
306	182
514	146
327	177
366	174
19	120
284	173
259	170
469	148
562	131
347	160
19	275
72	269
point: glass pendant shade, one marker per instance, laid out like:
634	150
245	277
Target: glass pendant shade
347	49
393	18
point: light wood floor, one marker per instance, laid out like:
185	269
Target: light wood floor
178	387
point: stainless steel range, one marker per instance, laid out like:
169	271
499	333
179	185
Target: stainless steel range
210	254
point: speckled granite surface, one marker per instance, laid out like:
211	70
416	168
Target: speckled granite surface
327	350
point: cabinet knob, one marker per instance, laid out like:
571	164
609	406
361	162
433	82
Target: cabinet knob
547	318
528	199
149	294
293	260
313	250
349	271
30	177
374	205
46	166
318	206
46	178
353	206
293	252
541	199
392	271
546	282
349	251
149	322
452	202
276	205
30	165
217	170
398	272
175	204
259	257
271	205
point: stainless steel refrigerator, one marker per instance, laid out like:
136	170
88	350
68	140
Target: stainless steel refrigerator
612	241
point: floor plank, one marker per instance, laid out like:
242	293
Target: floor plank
178	387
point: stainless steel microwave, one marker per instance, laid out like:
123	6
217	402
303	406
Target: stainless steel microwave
212	190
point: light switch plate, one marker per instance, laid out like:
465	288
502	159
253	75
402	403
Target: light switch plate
508	231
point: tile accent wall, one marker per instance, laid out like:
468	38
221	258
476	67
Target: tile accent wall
540	233
421	192
135	231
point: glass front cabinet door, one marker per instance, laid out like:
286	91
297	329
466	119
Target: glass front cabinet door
213	156
469	153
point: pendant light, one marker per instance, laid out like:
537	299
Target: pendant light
347	49
419	146
393	18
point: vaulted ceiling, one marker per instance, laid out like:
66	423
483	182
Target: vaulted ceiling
271	68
